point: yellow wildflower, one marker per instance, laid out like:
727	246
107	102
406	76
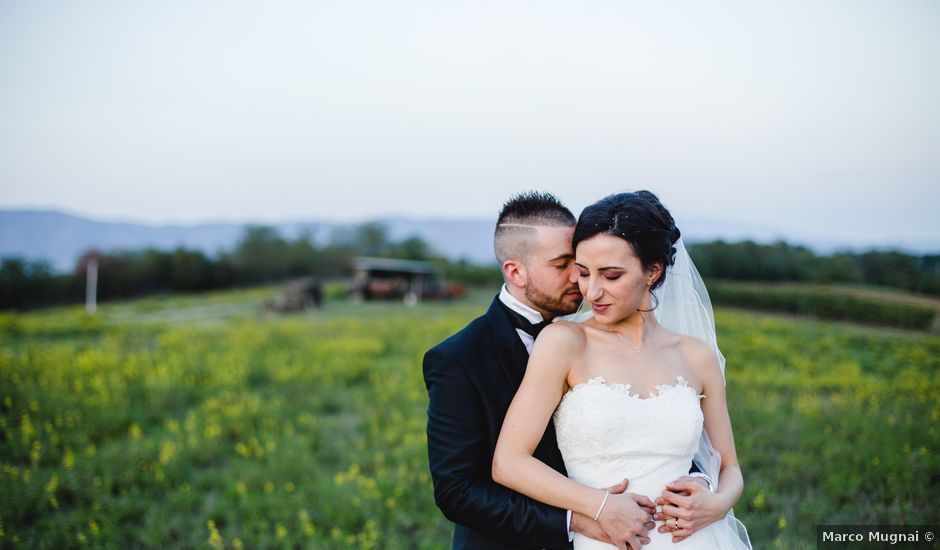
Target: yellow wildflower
68	461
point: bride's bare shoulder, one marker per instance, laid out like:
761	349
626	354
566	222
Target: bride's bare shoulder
562	335
699	355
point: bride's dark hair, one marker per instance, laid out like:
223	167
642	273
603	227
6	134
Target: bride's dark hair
638	218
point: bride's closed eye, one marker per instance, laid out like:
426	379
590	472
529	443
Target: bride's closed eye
608	276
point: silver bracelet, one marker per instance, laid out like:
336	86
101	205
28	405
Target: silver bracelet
599	510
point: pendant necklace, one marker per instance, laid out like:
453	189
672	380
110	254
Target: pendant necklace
639	349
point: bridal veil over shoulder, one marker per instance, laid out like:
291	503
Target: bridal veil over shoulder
684	307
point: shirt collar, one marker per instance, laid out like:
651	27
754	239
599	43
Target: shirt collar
517	306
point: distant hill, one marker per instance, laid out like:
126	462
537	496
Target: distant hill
61	237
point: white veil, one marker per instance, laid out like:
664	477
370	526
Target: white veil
683	305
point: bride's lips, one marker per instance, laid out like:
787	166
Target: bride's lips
599	308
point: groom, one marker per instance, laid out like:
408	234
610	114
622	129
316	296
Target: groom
472	377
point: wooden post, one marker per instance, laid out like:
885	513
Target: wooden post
91	286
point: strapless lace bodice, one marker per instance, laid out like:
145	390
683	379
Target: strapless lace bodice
606	433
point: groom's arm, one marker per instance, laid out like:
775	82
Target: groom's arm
461	465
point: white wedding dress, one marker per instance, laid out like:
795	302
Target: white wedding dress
606	433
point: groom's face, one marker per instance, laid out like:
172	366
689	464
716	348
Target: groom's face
551	275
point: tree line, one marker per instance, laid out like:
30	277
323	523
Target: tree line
780	262
261	256
264	256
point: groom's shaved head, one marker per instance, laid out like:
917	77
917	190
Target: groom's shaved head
518	220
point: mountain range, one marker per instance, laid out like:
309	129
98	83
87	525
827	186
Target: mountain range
60	237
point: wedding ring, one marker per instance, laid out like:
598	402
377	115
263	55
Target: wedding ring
675	523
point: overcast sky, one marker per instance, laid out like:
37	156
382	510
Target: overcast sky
816	118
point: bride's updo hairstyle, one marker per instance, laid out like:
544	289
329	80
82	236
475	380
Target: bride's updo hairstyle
638	218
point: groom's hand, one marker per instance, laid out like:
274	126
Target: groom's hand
592	529
589	528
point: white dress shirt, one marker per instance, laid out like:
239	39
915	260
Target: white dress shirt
530	314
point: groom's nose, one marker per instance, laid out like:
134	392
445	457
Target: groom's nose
573	274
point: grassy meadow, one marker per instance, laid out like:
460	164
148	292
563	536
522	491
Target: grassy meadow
199	422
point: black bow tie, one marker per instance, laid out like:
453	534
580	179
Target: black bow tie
520	322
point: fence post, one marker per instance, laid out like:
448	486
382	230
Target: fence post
91	286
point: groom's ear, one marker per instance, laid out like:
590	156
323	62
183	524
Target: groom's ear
514	272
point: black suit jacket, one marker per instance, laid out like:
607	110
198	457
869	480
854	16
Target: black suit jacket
471	379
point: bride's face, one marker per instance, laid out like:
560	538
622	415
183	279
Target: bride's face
612	278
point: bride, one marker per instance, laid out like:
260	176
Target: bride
629	393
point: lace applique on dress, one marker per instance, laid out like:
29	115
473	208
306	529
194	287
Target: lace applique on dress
606	433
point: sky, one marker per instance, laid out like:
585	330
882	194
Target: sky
814	118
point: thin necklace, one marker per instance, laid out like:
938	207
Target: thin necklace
622	337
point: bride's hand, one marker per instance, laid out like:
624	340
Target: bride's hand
592	529
691	504
626	518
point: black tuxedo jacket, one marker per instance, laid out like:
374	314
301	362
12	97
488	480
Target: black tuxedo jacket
471	379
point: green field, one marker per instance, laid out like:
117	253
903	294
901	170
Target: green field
199	422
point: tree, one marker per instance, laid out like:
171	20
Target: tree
371	239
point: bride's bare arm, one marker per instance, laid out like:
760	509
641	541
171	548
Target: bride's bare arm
691	502
513	462
525	423
718	426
